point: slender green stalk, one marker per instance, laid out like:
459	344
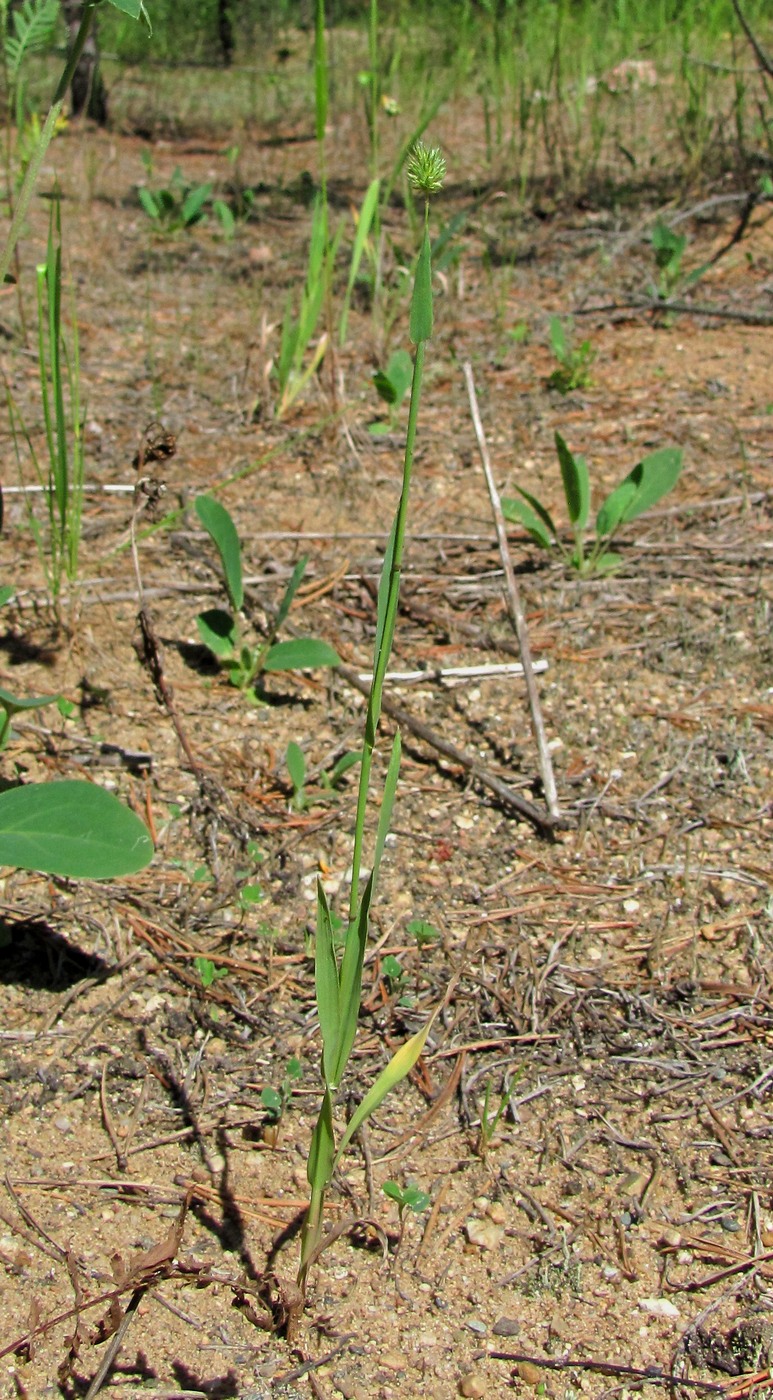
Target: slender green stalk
339	986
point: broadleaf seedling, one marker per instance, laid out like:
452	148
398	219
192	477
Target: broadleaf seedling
392	385
221	631
651	479
574	361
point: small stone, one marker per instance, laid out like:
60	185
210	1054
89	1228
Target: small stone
497	1213
472	1385
670	1238
659	1307
484	1234
62	1123
391	1361
479	1328
529	1373
506	1327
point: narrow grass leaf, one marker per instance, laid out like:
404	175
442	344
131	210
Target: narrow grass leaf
327	988
319	1168
300	654
399	1066
421	301
218	523
351	979
71	828
364	224
387	803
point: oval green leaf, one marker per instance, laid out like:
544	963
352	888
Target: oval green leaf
71	828
218	632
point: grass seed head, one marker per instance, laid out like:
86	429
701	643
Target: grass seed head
426	169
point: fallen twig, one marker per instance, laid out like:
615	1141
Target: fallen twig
514	600
543	821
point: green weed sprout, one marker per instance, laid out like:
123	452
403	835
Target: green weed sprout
61	476
12	705
208	971
392	385
339	980
178	206
221	632
574	361
651	479
406	1198
296	767
491	1118
669	249
276	1101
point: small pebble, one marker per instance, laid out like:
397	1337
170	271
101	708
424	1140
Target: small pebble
484	1234
479	1328
529	1373
506	1327
472	1385
62	1123
659	1307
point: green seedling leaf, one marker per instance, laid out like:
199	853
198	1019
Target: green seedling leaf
645	485
300	654
576	480
149	203
542	528
65	707
13	705
193	204
393	383
520	513
217	630
220	527
392	969
249	895
6	594
423	932
224	213
290	591
399	1066
71	828
296	765
208	972
519	332
421	301
608	563
342	766
558	338
271	1100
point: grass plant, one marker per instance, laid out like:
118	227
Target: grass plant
176	206
60	475
338	980
574	361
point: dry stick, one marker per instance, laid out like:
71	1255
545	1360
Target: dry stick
650	304
653	1375
545	823
513	597
766	64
